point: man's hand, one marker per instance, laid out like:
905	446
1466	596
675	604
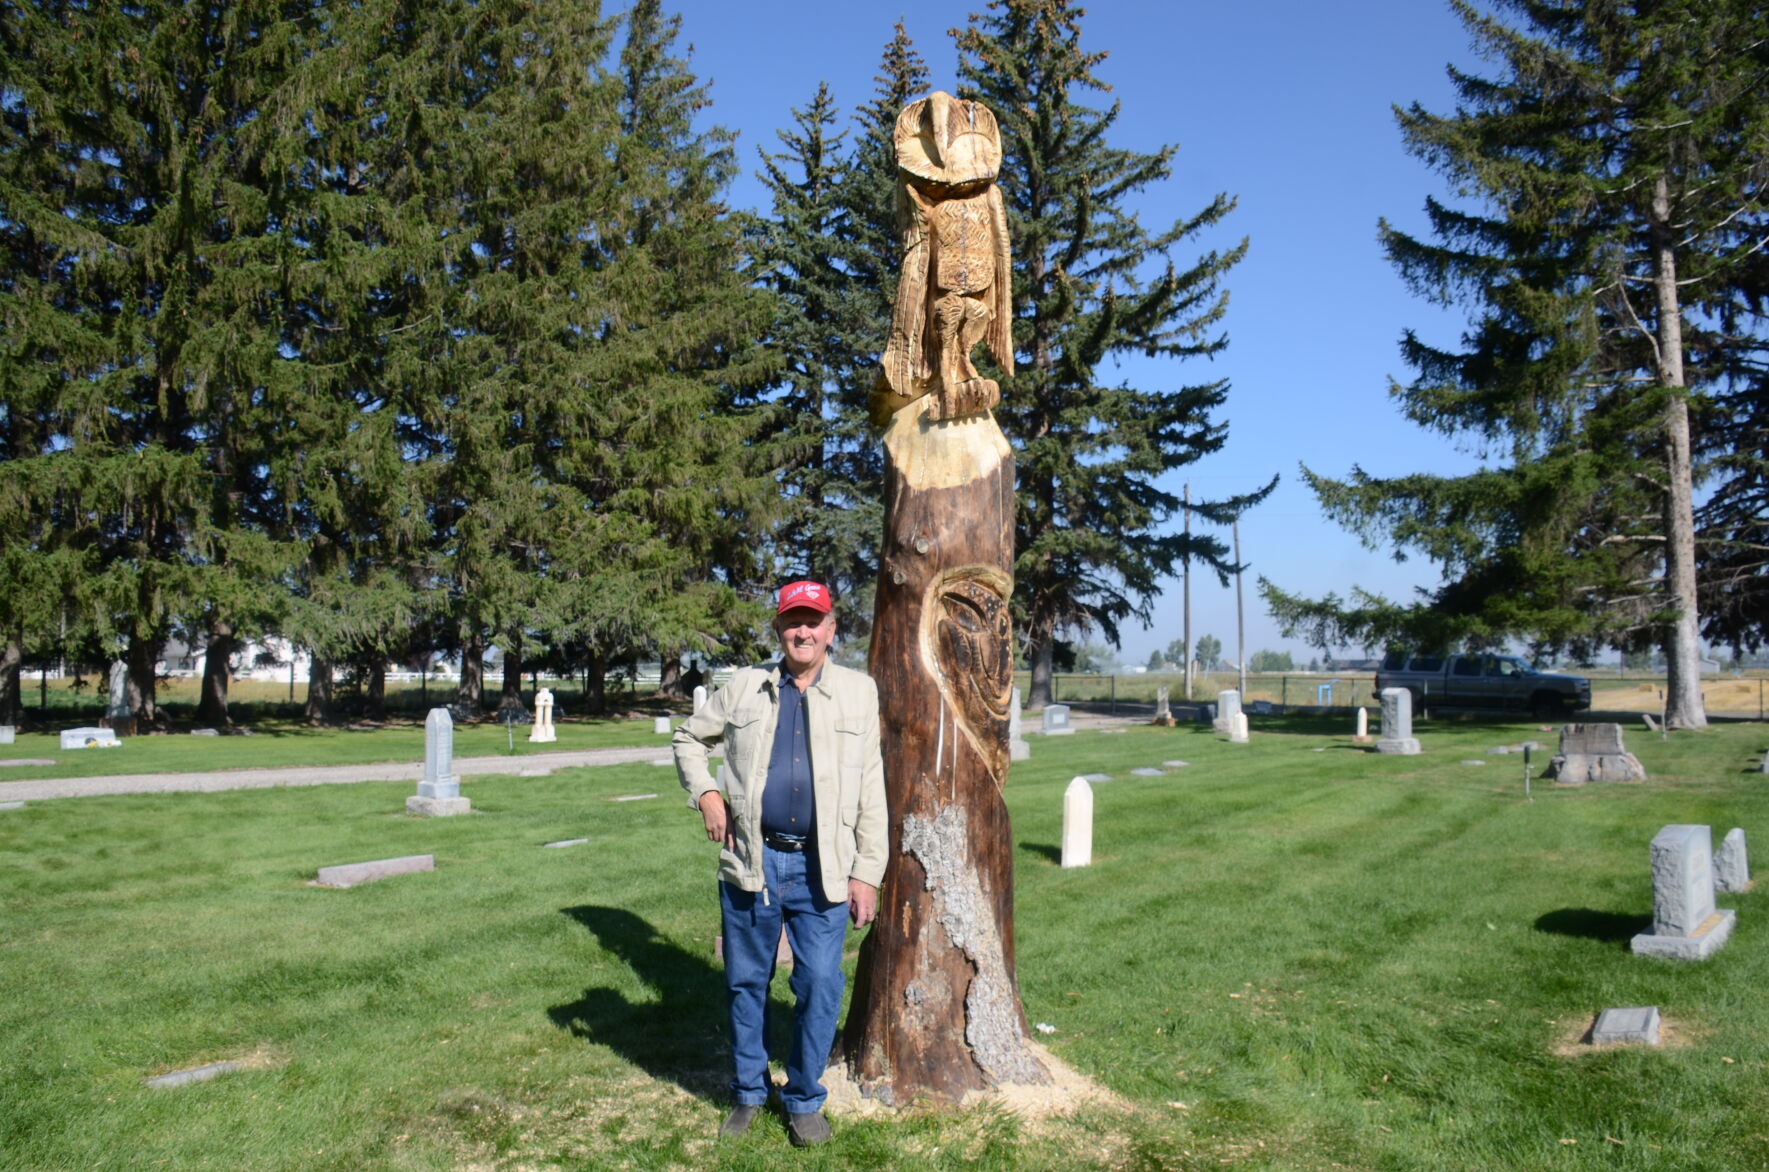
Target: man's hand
717	819
862	903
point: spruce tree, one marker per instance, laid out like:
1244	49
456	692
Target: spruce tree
1090	552
1617	160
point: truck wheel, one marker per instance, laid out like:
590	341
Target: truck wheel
1547	706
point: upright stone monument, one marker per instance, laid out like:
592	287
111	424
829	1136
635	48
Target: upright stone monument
1593	752
661	726
118	715
1228	706
439	794
1732	866
699	697
542	732
1362	733
1078	824
1397	723
1018	749
936	1006
1685	923
1237	729
7	734
1056	720
1163	707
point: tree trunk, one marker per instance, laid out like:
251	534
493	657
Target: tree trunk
1039	694
217	671
1682	644
468	691
319	690
143	653
511	694
12	657
595	684
669	671
936	1007
377	690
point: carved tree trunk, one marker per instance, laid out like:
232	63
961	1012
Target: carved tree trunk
936	1007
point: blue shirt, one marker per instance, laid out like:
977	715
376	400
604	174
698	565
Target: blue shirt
789	804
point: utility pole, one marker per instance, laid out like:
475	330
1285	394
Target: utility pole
1186	577
1240	621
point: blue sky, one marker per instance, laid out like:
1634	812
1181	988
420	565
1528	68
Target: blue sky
1286	104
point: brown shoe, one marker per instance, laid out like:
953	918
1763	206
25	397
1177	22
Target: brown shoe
739	1120
807	1129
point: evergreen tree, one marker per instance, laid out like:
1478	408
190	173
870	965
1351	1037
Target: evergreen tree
1090	455
1618	154
806	257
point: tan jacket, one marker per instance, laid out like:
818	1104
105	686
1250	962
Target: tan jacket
847	771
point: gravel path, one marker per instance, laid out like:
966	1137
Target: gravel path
533	765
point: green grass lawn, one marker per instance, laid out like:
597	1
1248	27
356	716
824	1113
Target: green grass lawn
1281	958
277	744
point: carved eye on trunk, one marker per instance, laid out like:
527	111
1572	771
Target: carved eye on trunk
974	642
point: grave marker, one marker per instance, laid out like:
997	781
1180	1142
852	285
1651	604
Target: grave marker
699	697
1397	723
1593	752
1685	923
1078	824
1237	729
1228	706
1615	1026
1732	867
89	738
1362	735
542	732
439	793
1056	720
352	874
7	733
660	726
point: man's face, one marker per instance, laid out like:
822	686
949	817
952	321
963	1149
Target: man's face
804	637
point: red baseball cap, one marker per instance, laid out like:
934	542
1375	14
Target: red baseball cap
810	595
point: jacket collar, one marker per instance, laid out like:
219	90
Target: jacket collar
777	670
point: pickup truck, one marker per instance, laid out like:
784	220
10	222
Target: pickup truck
1502	682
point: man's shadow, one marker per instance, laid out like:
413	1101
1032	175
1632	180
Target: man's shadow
681	1036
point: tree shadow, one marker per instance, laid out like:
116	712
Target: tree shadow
1051	853
1605	927
681	1035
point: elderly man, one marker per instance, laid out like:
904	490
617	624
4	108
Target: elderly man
799	807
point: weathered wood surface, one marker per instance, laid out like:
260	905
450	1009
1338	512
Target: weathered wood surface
936	1007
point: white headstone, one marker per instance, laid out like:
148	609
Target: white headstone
1732	867
1397	723
1163	705
1077	823
1685	923
1237	729
439	793
1363	724
1228	706
543	717
661	726
89	738
699	697
1056	720
6	734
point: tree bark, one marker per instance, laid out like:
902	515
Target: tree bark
1682	638
511	692
936	1007
319	690
143	654
12	657
377	690
217	672
468	691
1038	695
669	676
595	684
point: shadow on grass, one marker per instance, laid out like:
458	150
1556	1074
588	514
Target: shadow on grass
1604	927
680	1036
1051	853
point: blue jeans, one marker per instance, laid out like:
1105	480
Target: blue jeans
815	928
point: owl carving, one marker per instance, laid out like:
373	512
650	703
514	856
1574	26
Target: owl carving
956	287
